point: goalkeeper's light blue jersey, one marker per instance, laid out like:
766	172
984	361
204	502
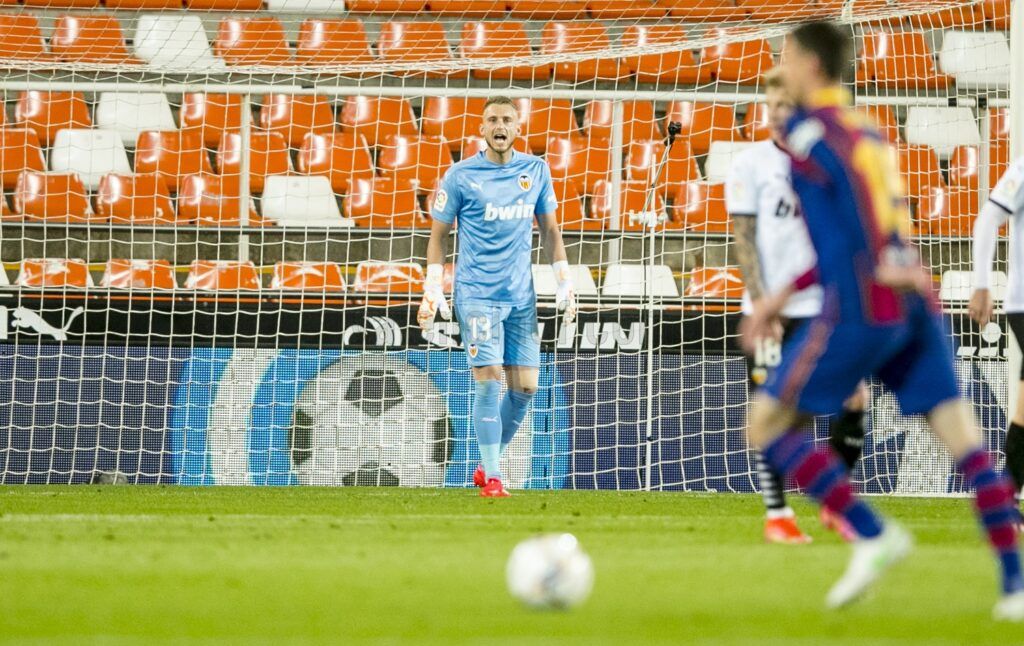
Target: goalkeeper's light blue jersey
495	205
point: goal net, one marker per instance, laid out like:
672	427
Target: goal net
215	215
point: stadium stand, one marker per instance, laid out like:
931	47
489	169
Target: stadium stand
308	276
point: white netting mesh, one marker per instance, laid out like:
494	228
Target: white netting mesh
214	221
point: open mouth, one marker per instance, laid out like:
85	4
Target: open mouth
500	138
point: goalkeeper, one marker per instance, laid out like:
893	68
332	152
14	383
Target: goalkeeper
496	195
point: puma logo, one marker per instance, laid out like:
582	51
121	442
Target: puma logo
476	186
28	320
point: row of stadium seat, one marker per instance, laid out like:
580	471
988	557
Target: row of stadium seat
901	59
209	118
993	14
369	277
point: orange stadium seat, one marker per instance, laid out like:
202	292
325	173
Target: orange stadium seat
417	159
215	275
375	118
293	117
134	199
999	160
208	200
638	120
210	114
965	167
919	167
632	200
643	157
19	151
999	123
997	12
308	276
948	212
252	41
756	124
388	277
268	155
90	39
453	118
570	209
332	42
898	60
667	67
619	9
964	16
49	112
419	42
740	62
62	4
544	9
171	154
340	156
20	37
469	8
52	196
715	282
485	41
580	160
383	203
702	10
575	38
543	118
884	119
474	145
790	10
703	123
700	206
386	6
54	272
138	274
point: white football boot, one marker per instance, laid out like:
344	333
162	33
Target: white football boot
871	558
1010	607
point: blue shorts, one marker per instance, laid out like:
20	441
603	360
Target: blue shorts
823	362
499	335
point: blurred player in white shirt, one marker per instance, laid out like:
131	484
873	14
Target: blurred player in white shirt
1006	202
774	249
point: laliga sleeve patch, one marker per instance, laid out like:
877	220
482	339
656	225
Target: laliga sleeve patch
803	138
440	200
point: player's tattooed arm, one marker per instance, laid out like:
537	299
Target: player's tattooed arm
745	239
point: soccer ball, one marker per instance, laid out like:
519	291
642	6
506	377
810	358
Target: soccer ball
550	571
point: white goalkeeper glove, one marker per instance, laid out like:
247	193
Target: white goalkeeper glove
565	293
433	299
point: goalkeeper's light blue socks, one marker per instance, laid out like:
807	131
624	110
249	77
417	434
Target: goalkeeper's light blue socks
487	422
513	410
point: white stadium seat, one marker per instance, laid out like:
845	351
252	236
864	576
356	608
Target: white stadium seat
976	58
307	6
302	201
174	41
629	280
956	285
942	128
130	113
720	157
545	284
90	153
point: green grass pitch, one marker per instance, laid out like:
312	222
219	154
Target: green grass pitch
119	565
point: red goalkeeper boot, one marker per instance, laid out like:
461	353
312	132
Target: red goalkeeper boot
479	476
784	530
836	523
494	489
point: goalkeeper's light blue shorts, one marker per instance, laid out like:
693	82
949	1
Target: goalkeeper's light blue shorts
499	335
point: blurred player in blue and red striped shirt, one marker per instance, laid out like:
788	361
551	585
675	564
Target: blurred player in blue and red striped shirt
878	319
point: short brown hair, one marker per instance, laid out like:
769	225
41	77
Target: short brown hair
829	43
501	100
772	79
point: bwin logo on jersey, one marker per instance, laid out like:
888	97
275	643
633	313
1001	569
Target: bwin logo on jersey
387	333
517	211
